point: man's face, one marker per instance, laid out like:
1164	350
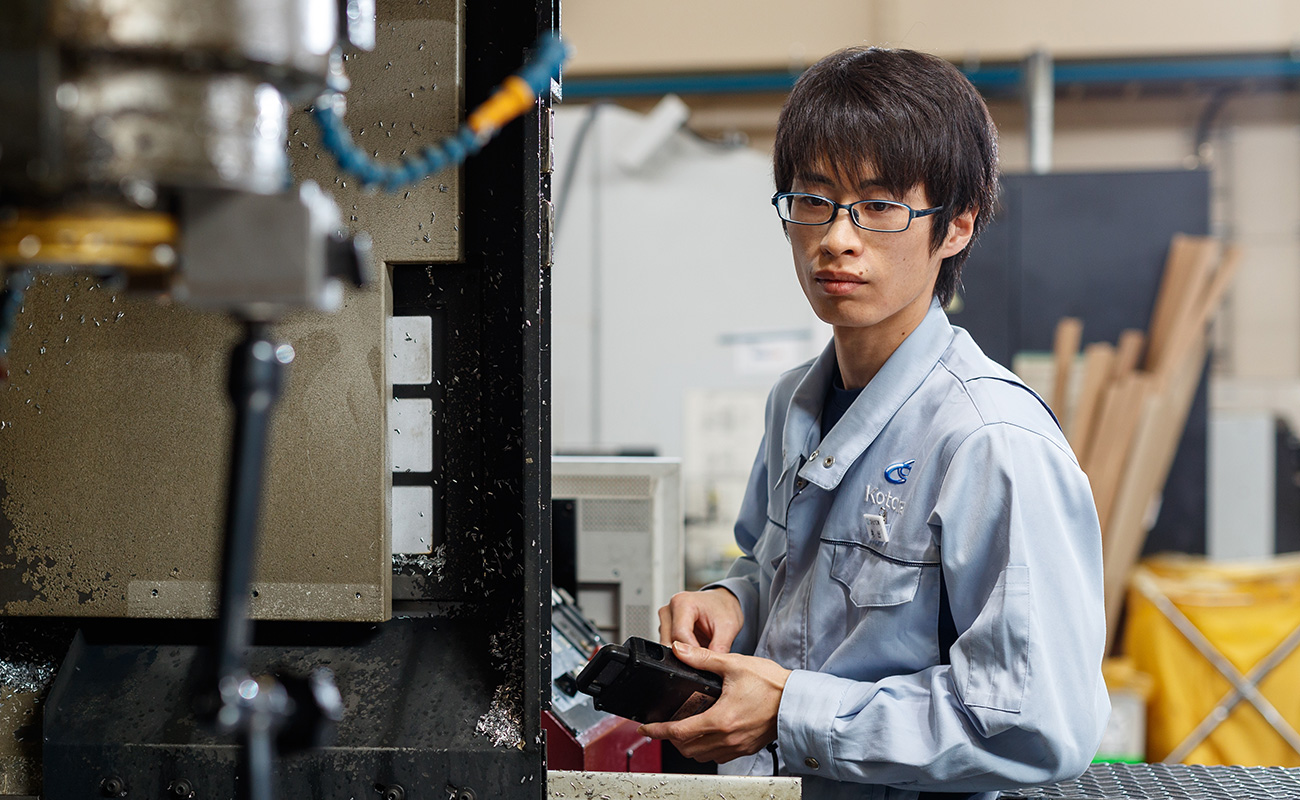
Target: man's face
856	278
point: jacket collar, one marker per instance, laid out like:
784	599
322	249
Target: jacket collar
897	380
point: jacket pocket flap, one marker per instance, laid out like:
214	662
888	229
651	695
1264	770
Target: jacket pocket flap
872	579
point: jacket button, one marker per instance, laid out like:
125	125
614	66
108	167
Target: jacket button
811	763
799	484
814	455
829	461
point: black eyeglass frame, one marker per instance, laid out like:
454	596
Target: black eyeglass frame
912	213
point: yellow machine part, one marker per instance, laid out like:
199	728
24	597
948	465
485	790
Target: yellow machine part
1245	611
513	98
134	241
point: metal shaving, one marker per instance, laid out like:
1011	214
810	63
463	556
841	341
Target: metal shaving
428	564
26	677
566	785
26	667
500	644
503	723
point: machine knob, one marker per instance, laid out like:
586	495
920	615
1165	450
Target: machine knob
112	786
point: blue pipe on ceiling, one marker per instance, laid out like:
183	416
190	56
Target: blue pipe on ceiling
683	84
999	80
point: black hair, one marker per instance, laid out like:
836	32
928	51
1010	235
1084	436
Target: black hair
910	118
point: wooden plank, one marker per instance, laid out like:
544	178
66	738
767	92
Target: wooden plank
1069	332
1105	416
1200	255
1113	437
1202	310
1223	276
1109	411
1163	418
1098	359
1175	363
1129	352
1173	282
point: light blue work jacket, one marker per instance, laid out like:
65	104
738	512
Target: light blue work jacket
945	462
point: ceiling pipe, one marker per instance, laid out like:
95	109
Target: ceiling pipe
1040	106
997	80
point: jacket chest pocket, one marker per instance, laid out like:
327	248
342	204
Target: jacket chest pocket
870	578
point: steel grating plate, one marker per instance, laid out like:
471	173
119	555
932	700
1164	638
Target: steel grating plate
1170	782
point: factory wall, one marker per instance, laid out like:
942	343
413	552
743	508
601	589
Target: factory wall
1254	136
621	36
670	378
1248	135
1254	155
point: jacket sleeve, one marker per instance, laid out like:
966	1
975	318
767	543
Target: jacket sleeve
1022	701
743	578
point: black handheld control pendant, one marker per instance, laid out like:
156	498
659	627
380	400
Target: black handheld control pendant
643	681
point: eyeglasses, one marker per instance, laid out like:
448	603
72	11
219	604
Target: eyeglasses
883	216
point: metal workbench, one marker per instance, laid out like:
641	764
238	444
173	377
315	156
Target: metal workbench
1100	782
1170	782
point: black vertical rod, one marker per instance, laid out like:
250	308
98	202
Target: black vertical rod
256	376
258	756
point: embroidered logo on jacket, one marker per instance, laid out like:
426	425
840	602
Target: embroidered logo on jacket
886	500
897	473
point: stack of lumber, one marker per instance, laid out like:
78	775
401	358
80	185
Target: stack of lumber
1132	403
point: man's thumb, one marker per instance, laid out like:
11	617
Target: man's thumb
698	657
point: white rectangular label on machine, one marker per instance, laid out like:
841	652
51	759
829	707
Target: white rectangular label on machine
410	350
412	519
410	434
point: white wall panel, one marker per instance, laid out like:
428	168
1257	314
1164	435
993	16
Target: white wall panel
1265	334
679	263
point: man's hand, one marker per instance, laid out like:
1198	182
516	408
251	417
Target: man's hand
709	619
742	721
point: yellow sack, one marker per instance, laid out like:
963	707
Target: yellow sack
1245	611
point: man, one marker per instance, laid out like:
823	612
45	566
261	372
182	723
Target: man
918	611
